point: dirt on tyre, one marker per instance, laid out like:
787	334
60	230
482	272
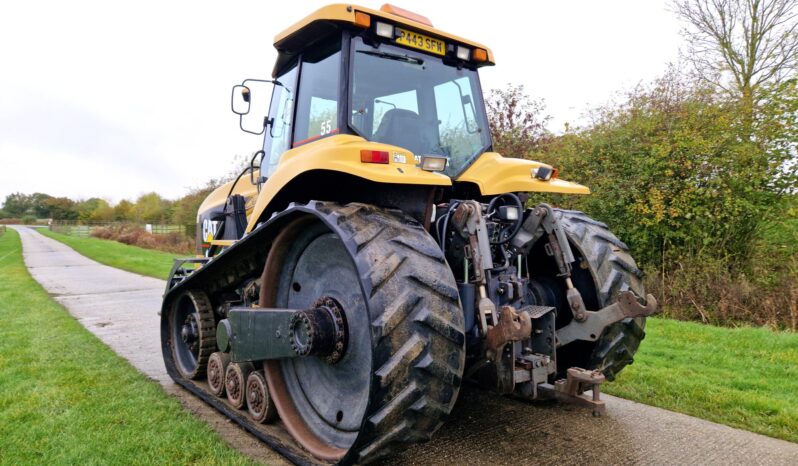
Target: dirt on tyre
400	375
604	267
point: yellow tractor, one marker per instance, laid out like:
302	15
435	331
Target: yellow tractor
377	253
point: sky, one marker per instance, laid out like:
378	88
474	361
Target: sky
116	99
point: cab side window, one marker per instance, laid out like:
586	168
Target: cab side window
281	111
319	90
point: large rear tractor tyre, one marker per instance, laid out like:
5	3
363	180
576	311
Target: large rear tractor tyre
603	268
402	366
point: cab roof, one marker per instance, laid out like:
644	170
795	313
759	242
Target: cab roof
316	27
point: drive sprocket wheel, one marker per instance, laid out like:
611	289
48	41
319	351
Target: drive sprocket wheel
192	333
399	376
603	268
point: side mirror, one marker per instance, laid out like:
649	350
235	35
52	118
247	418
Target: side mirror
240	100
250	101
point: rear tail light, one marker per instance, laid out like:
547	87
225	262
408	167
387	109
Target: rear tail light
373	156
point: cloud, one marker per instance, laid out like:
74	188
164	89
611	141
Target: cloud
52	125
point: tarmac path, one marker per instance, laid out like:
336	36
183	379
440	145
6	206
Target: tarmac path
120	308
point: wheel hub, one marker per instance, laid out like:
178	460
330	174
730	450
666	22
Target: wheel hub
320	331
190	333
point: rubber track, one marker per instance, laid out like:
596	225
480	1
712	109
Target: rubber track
417	324
614	271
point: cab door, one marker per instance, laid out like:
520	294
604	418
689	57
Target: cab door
279	121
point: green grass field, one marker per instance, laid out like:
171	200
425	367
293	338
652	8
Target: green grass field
66	398
147	262
745	377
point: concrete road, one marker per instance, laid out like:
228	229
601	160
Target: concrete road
121	309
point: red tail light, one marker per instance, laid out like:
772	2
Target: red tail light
373	156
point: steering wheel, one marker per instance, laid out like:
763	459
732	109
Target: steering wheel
509	227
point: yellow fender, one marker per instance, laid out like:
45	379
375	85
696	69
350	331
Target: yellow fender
491	173
494	174
341	153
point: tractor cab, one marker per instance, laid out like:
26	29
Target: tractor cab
374	106
385	76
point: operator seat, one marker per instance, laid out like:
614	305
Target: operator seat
403	128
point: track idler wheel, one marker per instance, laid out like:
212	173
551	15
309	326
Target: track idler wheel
192	333
259	402
217	366
235	379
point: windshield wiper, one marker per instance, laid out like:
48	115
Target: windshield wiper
394	56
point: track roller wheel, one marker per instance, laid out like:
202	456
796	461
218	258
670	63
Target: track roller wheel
192	333
217	366
259	402
235	378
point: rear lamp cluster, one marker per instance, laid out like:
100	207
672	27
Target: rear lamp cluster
388	31
430	163
468	54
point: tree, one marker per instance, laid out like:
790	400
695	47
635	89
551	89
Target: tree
61	208
86	209
185	209
741	46
39	204
103	212
673	172
18	204
517	122
152	208
124	211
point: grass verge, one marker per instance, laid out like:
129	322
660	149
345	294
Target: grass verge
66	398
744	377
147	262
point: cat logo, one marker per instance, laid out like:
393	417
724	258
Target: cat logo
209	228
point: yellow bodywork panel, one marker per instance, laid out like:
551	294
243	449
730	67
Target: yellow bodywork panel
341	153
244	187
346	14
494	174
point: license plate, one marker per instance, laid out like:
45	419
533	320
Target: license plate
421	42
